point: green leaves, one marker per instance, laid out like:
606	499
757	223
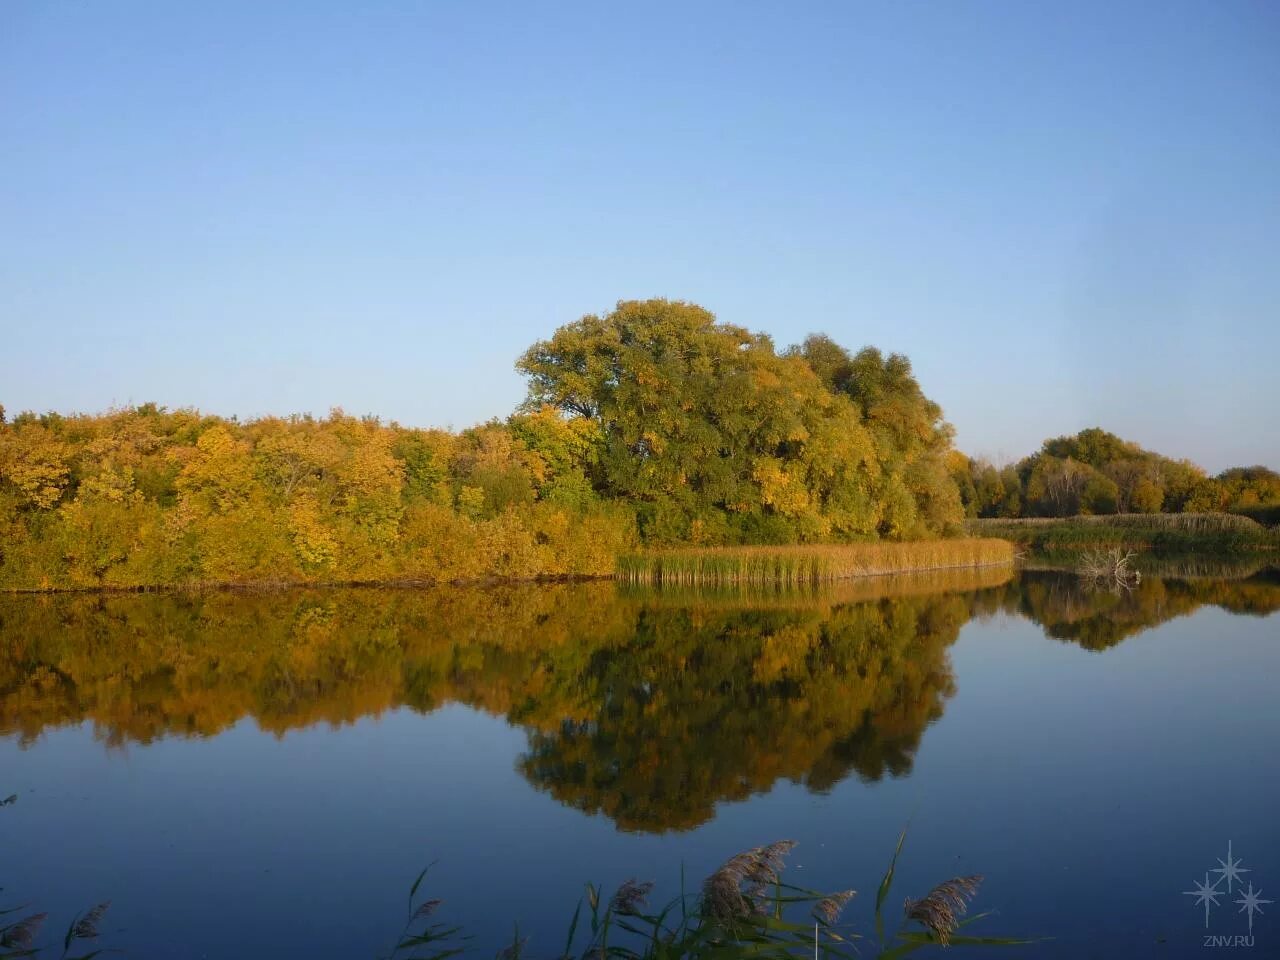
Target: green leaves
705	428
882	892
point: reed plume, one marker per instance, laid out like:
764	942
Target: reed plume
21	934
631	896
829	907
86	928
946	903
737	889
426	909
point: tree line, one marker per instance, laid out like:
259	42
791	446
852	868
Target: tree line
652	424
1096	472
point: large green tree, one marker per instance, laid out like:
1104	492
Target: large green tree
708	431
912	440
717	437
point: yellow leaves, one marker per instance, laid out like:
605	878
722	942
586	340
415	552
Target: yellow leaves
219	474
470	501
313	540
897	510
123	439
798	433
369	471
654	443
780	488
184	499
765	379
562	443
216	443
177	523
100	535
36	463
296	456
438	544
108	485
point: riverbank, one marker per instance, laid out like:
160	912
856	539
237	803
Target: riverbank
801	564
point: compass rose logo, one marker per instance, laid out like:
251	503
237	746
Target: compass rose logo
1208	895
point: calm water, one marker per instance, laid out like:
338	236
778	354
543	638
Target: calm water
246	775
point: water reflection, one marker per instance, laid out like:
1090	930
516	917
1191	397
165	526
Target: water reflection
647	707
1097	619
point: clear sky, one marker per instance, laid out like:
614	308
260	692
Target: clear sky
1066	214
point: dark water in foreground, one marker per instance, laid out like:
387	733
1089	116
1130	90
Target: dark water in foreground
264	775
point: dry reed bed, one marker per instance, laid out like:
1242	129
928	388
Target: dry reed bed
807	564
822	596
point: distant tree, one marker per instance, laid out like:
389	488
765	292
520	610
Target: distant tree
1126	474
1053	487
1146	497
1250	486
961	471
991	489
1138	480
1094	447
1012	503
1099	495
1208	495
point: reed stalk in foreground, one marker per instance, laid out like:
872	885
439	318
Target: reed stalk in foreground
743	909
807	564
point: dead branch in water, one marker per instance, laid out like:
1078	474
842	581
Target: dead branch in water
1109	568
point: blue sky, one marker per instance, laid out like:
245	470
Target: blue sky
1065	214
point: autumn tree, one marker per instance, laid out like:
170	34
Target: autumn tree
1098	472
911	438
705	429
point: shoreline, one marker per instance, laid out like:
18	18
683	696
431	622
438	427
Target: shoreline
1020	560
626	572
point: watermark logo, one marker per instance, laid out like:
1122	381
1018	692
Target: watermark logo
1210	895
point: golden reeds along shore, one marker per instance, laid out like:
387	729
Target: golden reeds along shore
810	563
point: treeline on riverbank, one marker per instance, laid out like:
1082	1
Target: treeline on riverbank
651	427
147	497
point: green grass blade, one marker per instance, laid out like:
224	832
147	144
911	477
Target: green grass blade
886	882
417	883
573	929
